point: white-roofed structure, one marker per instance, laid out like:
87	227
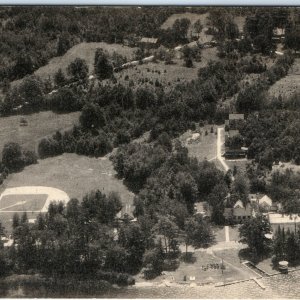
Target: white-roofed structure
285	221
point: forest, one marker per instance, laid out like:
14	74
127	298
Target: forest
137	125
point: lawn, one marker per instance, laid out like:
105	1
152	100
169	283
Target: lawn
219	233
85	51
204	147
39	125
206	268
76	175
231	257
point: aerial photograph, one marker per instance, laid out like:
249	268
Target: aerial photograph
150	152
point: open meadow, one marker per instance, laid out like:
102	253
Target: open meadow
167	75
74	174
39	125
199	145
289	84
84	51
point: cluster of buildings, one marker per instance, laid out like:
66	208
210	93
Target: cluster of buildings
232	125
257	203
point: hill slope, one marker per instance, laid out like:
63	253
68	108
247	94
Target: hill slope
84	51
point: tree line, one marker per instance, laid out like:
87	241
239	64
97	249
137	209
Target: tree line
85	240
283	244
31	36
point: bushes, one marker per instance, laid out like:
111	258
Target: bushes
122	279
64	100
75	141
14	158
48	147
252	98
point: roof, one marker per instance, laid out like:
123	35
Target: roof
207	38
149	40
233	132
265	200
236	116
284	219
238	203
279	31
261	199
252	196
202	208
178	48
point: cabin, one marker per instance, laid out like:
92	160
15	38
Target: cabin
203	209
235	153
278	34
149	42
231	130
239	212
262	203
233	121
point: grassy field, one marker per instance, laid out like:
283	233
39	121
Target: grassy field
85	51
205	266
167	75
219	233
288	85
203	148
39	125
231	257
76	175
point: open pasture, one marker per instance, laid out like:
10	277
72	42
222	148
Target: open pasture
84	51
39	125
200	145
167	75
287	85
75	175
29	199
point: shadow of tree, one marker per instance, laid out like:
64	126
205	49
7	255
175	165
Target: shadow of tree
188	258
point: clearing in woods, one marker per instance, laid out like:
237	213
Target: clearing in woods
29	199
84	51
167	75
199	144
39	125
74	174
289	84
